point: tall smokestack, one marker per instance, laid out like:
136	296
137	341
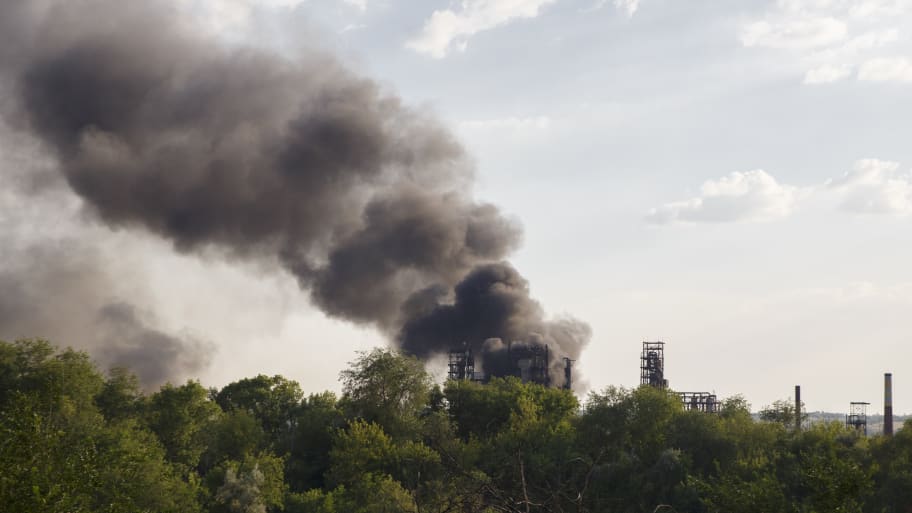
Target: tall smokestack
797	407
888	404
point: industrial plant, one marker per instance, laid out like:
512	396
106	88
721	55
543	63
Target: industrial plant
652	373
531	363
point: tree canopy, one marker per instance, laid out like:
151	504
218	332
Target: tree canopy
75	439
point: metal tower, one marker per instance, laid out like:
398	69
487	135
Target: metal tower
858	417
462	364
652	365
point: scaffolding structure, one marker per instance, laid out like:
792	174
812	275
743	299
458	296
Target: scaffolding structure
858	417
531	362
462	365
652	365
568	373
700	401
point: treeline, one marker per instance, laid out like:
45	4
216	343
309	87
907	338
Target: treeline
73	439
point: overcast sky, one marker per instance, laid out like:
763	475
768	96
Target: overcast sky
730	177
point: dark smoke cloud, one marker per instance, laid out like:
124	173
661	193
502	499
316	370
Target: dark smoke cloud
59	291
365	200
491	305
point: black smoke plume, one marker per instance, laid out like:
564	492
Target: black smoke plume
366	201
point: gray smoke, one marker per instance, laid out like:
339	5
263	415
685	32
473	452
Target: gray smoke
58	283
58	291
130	341
302	162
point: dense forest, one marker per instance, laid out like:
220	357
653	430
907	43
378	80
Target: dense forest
76	439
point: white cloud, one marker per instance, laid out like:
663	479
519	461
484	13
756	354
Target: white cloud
827	73
794	33
877	8
873	39
750	196
874	187
831	38
627	6
449	27
886	69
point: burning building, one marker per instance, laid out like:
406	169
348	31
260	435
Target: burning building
531	362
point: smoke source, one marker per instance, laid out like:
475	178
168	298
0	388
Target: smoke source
366	201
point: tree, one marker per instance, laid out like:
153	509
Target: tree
254	484
631	435
180	417
316	422
782	412
233	436
892	462
60	454
388	388
272	401
242	494
371	494
120	397
734	407
360	449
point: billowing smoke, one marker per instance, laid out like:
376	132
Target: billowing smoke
366	201
59	292
489	306
60	281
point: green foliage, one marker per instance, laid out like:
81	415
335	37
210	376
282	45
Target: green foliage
233	436
891	460
255	484
272	401
181	417
120	397
371	494
388	388
782	412
362	448
73	440
241	494
485	410
60	454
317	420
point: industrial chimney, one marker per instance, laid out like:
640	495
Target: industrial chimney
888	404
797	407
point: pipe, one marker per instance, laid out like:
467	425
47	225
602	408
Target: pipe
888	404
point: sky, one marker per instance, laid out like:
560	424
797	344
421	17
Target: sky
733	178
